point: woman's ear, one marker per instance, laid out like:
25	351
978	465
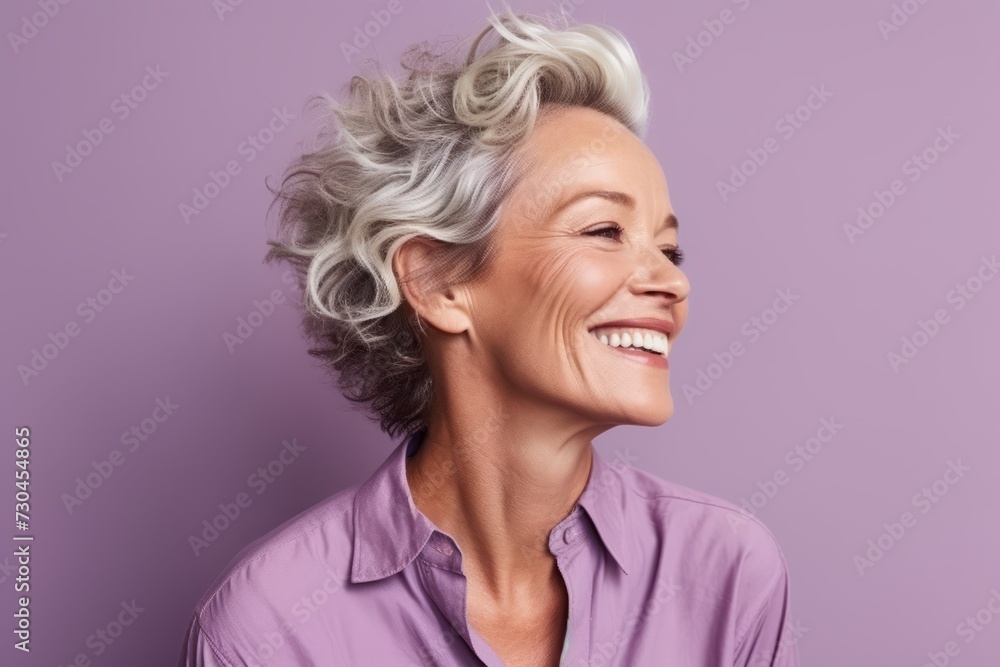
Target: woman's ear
426	289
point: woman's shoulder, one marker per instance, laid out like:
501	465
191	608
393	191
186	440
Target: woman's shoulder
271	588
692	524
309	551
671	499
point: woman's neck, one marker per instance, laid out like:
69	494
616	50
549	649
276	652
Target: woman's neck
498	488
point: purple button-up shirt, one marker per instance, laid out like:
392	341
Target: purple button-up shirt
657	574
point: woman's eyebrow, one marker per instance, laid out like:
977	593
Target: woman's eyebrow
671	222
614	196
621	198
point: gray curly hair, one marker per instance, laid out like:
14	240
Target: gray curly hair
430	156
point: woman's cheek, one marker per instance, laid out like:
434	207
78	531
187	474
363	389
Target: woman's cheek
680	315
597	277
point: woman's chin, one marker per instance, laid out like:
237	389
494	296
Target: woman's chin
647	415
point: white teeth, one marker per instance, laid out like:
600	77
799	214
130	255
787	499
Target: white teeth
653	341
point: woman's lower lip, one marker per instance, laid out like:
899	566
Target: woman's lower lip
656	360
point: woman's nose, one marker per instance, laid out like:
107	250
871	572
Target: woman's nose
655	272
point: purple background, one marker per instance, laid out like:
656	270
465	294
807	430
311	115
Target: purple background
825	357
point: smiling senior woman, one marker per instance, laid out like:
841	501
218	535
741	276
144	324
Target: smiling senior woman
489	259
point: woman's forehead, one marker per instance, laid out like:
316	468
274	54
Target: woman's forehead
561	161
577	143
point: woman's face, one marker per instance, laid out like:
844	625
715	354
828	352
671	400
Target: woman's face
563	268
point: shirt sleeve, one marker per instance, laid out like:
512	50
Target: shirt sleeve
198	650
771	640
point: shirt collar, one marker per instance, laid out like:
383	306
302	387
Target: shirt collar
389	530
604	501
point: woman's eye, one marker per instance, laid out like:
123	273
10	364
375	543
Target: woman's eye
614	230
675	255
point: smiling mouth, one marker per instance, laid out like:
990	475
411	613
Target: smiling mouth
651	342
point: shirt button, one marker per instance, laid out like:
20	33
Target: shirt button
569	535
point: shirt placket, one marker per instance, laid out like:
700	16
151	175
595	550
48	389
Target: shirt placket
569	542
440	564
